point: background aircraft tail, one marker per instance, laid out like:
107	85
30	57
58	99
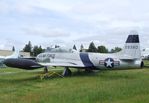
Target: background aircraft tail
131	49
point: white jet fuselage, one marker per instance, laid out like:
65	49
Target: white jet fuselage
87	60
129	57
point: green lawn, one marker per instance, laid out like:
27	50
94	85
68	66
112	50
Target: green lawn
115	86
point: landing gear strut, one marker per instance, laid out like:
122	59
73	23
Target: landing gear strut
45	69
66	72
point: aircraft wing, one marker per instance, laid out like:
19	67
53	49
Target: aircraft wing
66	64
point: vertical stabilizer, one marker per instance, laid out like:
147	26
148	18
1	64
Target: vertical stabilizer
131	49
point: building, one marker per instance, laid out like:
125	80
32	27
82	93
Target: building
8	52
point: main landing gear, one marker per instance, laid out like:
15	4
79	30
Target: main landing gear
67	72
142	64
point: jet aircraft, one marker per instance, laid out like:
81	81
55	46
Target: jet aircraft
145	53
129	57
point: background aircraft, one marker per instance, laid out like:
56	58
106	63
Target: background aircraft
129	57
14	55
145	53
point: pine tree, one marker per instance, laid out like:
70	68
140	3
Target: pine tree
74	47
102	49
37	50
116	49
81	48
28	48
13	48
92	48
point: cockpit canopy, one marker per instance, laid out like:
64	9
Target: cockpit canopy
60	50
50	53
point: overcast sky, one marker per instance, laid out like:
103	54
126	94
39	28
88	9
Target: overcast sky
68	22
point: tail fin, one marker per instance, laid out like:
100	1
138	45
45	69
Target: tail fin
131	49
15	54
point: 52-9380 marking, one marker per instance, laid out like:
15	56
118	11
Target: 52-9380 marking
131	47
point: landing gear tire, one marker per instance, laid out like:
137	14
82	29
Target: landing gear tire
67	72
142	64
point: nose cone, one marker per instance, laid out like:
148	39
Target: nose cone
22	63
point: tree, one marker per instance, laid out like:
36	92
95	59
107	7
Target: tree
57	46
116	49
81	48
74	47
40	50
37	50
28	48
13	48
92	48
102	49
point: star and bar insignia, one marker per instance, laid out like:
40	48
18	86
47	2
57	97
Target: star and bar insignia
109	63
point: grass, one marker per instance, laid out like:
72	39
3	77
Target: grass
115	86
